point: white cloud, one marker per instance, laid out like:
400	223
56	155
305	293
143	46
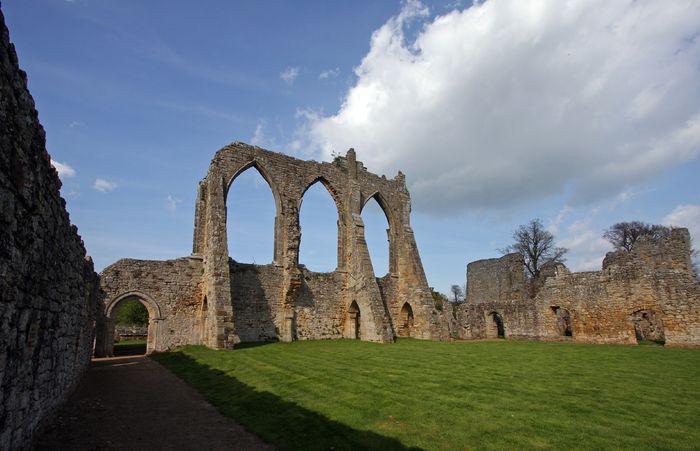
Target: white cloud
63	169
289	75
171	202
76	124
104	186
587	247
509	101
329	73
686	215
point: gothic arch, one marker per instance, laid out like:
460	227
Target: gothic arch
390	219
146	300
265	175
329	187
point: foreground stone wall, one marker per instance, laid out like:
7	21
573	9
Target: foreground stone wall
649	293
49	293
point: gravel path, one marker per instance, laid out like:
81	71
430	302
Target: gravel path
133	403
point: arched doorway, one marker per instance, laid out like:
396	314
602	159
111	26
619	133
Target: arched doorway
495	327
108	332
405	320
647	327
353	322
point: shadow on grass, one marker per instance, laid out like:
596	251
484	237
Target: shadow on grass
283	423
123	349
254	344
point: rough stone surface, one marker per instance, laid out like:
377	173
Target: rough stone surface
649	293
49	293
210	299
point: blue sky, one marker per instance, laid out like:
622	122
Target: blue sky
580	113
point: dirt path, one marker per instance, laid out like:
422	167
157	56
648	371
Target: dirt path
133	403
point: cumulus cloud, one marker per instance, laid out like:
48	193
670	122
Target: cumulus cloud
506	101
329	73
686	215
104	186
171	202
289	75
587	247
63	169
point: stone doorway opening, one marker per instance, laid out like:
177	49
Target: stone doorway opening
647	327
353	322
563	321
406	320
495	327
107	334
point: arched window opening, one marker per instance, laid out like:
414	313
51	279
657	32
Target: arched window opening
376	236
131	320
250	218
318	219
406	320
353	322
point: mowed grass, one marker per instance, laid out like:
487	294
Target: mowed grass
347	394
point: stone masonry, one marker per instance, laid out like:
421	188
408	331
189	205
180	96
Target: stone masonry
210	299
648	293
49	293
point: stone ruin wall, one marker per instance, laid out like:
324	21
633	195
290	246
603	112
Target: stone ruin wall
171	291
49	293
496	279
654	279
210	299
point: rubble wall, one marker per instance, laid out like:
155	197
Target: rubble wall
49	292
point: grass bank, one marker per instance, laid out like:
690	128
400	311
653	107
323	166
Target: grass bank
346	394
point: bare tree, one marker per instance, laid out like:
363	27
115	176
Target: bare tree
623	235
458	293
536	246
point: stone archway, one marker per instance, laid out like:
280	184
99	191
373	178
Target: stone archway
495	327
109	322
405	320
353	322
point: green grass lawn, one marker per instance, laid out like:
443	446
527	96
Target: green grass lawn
347	394
130	347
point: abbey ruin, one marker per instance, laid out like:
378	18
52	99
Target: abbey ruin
55	312
207	298
649	293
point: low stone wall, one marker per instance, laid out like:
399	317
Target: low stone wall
49	293
130	332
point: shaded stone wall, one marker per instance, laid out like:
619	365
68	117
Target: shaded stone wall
171	291
49	293
648	293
